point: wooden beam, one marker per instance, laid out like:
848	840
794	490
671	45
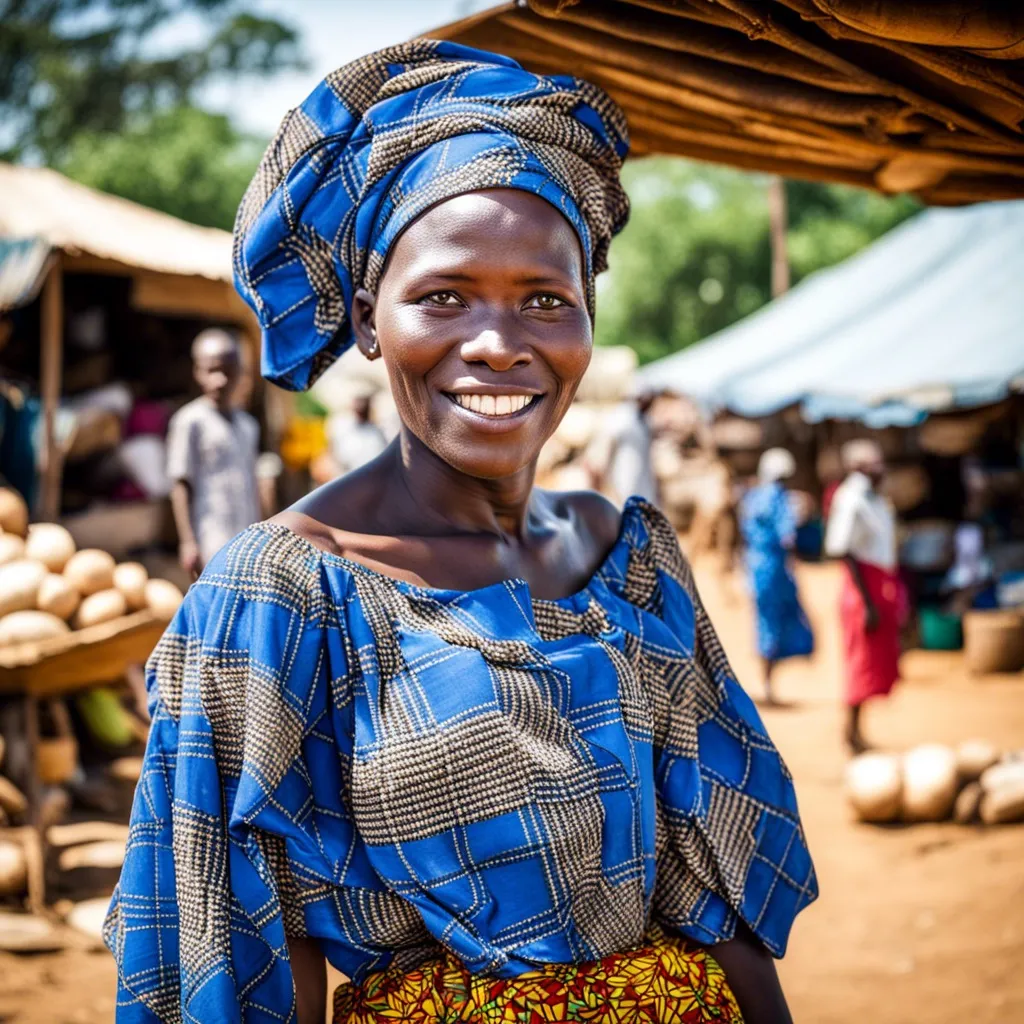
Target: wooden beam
51	366
779	225
727	81
710	41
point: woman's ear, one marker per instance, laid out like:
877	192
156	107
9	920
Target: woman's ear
364	326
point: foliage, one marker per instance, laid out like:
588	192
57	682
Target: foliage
184	161
695	256
74	66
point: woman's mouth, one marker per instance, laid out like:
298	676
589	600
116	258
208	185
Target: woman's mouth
493	406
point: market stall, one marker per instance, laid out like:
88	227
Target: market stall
918	343
896	96
99	301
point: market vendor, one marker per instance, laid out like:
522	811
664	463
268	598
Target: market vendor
873	603
475	743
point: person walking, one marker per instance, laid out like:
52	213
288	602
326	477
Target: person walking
769	533
873	602
212	450
474	742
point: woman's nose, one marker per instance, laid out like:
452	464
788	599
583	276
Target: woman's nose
497	345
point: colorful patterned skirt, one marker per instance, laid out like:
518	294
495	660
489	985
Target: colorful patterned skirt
666	982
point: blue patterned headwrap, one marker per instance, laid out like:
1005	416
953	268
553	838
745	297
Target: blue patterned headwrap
383	139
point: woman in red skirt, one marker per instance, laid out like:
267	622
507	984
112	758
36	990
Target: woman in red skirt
873	602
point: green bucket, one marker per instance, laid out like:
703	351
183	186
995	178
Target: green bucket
939	630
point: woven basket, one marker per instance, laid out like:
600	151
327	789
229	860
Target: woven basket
56	759
994	641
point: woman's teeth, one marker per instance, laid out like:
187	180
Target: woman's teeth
494	405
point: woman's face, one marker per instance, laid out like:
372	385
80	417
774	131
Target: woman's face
481	319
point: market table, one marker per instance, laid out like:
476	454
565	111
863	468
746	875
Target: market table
60	667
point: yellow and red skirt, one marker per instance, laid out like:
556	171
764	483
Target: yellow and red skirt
667	981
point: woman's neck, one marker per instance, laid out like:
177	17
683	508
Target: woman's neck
437	498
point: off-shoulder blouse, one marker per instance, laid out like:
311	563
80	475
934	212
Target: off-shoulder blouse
384	767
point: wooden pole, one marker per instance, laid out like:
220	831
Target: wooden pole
36	846
778	219
50	374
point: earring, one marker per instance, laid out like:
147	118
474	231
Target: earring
373	349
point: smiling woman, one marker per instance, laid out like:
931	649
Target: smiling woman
474	743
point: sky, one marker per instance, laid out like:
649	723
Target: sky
333	32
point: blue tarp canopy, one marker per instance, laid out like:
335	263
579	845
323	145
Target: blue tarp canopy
930	318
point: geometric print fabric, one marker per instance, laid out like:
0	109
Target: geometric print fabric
401	772
383	139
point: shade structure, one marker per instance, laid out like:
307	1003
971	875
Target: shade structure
929	318
42	210
897	95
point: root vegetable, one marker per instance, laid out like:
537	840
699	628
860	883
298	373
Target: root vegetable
873	785
131	579
50	544
90	571
163	599
929	783
13	512
24	933
973	757
88	917
126	769
106	853
12	800
87	832
1004	804
968	803
13	869
100	607
58	597
12	547
1005	773
30	627
19	585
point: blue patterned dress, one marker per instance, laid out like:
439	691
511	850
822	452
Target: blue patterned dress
769	530
394	770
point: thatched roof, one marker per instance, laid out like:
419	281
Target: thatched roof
176	267
36	202
897	95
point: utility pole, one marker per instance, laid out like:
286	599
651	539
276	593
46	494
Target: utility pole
778	220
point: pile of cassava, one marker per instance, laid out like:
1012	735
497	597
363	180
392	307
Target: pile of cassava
48	589
971	783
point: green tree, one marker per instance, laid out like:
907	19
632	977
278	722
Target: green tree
184	161
74	66
695	256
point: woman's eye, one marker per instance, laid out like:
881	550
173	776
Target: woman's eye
442	299
545	301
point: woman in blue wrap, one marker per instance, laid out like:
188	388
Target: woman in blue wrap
473	743
769	532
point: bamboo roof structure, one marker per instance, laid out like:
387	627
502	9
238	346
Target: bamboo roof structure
895	95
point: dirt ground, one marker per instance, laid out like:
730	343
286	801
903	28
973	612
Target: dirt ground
915	924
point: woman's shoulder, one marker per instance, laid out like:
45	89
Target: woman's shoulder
638	526
268	560
591	516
